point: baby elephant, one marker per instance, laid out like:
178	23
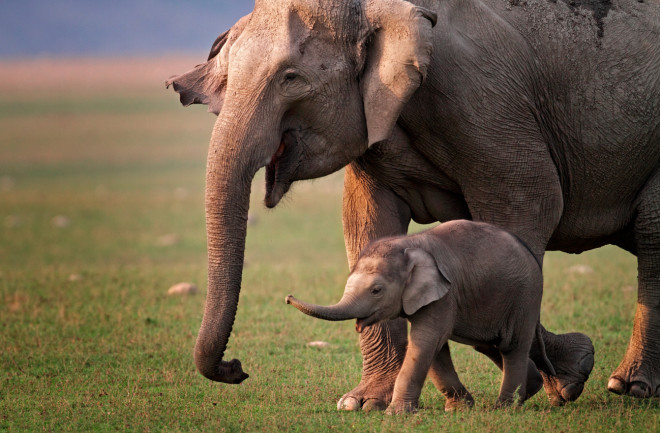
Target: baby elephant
465	281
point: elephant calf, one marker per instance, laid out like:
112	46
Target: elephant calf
465	281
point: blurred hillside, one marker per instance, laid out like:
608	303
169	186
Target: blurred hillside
35	28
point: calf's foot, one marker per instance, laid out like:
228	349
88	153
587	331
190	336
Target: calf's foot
534	378
399	407
459	402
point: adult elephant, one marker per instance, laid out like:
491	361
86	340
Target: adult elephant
539	116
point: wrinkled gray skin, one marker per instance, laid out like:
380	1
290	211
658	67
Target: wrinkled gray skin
465	281
541	117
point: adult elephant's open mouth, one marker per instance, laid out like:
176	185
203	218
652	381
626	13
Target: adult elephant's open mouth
279	171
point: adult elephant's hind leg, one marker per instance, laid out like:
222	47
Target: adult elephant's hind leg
371	211
528	201
572	358
638	374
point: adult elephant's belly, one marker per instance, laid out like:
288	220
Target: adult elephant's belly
429	204
586	223
583	228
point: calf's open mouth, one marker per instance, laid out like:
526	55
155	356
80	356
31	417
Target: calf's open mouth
362	323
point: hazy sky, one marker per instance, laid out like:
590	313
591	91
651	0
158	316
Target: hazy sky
30	28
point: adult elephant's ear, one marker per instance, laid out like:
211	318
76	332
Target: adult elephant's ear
206	83
397	56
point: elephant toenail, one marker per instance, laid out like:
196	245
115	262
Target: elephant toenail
640	390
586	365
572	391
373	404
616	386
556	398
348	403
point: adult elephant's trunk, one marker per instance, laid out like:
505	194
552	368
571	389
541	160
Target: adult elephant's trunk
234	157
345	309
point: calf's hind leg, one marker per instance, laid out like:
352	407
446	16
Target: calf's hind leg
444	377
514	377
534	381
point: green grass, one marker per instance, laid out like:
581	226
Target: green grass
110	351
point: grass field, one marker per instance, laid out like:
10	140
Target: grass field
101	211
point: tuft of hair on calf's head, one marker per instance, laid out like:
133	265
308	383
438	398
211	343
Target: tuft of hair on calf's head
381	256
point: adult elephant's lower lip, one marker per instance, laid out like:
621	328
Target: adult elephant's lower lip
274	189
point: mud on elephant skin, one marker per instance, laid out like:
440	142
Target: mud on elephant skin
553	135
453	282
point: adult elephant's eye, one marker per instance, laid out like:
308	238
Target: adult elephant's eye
376	290
290	75
294	84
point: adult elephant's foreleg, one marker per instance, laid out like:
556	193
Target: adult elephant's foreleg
638	374
383	348
371	211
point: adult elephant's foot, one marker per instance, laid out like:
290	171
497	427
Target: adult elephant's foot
638	375
636	378
383	347
572	356
374	394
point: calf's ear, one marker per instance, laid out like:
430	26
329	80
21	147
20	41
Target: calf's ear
426	282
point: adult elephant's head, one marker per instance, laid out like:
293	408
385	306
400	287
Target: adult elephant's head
301	87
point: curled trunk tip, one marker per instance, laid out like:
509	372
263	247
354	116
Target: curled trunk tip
341	311
226	372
